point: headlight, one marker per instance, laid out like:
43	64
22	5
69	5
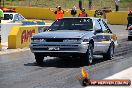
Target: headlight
70	40
38	40
85	40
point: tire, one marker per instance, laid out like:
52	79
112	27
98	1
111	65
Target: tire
89	54
129	38
110	53
39	58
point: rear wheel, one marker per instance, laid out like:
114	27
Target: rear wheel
39	58
110	53
89	54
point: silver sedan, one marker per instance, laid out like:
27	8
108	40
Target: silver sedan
75	37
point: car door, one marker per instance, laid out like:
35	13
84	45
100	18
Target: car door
107	34
113	36
107	31
97	30
102	36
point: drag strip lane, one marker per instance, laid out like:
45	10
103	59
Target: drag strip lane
56	72
19	70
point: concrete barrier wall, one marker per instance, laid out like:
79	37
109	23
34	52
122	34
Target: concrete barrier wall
20	36
6	29
45	13
42	13
117	17
33	13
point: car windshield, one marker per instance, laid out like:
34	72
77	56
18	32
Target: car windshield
84	24
8	17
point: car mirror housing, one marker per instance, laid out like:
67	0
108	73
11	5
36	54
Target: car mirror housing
98	31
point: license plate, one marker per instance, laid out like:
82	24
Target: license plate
54	48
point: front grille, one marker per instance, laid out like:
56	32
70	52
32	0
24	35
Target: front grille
57	45
61	49
54	40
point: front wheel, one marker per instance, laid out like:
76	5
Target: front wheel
110	53
39	58
89	54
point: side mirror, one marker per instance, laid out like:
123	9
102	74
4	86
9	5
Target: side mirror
98	31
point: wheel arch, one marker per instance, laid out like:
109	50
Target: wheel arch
91	42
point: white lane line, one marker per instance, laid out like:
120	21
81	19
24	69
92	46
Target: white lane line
10	51
125	74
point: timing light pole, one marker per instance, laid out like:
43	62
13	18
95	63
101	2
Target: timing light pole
0	3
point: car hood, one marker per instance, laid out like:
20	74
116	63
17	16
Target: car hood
64	34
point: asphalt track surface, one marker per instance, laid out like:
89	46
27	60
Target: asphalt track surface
19	70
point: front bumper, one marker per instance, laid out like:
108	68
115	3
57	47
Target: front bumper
58	48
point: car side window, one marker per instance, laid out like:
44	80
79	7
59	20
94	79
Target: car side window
20	17
97	25
103	26
16	18
108	29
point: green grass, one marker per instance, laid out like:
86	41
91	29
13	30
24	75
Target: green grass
124	4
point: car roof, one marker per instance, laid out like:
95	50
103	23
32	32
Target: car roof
10	13
84	17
